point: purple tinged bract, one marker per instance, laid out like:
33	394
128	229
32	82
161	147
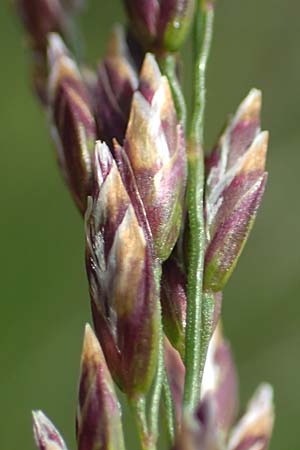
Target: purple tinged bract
117	79
40	18
155	146
198	431
122	287
74	129
234	141
255	427
220	383
175	372
45	434
210	426
99	415
235	185
161	25
174	303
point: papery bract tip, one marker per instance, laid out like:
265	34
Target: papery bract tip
45	434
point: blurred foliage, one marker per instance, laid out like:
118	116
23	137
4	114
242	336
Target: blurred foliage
44	299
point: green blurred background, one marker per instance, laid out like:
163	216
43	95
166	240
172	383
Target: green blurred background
44	300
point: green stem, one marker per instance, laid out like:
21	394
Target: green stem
169	409
157	390
168	67
195	276
139	410
195	191
203	37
